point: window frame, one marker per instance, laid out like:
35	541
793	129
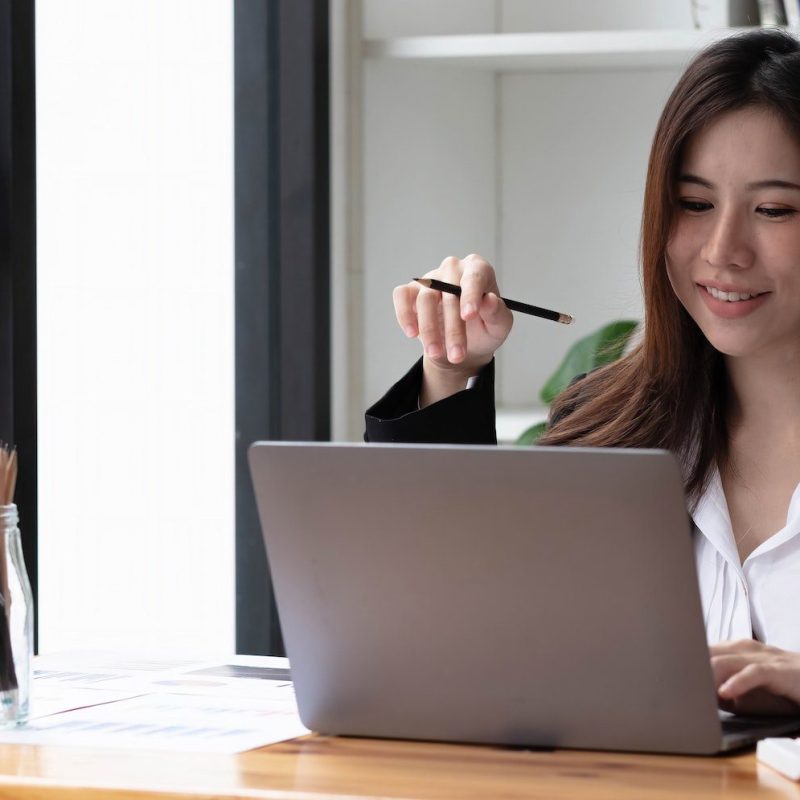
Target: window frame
282	233
18	365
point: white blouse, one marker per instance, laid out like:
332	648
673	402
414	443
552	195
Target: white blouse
759	598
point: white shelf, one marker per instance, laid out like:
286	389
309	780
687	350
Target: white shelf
512	422
645	49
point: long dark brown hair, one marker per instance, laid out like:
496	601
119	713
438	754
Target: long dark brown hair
671	391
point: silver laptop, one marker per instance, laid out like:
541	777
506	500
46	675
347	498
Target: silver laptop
539	597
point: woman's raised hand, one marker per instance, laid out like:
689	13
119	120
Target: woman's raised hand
459	335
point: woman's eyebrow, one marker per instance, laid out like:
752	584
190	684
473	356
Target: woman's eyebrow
689	178
774	183
771	183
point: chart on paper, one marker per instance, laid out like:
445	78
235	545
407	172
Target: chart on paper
110	700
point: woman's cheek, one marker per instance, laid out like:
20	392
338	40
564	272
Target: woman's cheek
672	275
679	266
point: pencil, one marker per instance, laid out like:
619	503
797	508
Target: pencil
513	305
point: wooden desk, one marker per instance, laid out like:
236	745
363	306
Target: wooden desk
316	767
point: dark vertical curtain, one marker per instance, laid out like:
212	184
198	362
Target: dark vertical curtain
18	259
282	264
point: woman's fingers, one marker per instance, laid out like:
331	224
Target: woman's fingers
433	317
755	678
759	702
455	334
495	316
478	278
752	676
724	667
455	330
779	674
405	308
429	322
731	658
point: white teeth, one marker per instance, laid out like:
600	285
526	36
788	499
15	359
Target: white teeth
730	297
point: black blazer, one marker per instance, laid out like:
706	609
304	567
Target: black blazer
466	417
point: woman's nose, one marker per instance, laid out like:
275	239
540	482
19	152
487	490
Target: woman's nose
727	243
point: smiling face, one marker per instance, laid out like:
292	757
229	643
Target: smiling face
733	256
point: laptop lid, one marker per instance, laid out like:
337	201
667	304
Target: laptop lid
538	596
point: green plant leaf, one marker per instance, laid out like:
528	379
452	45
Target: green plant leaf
592	351
532	434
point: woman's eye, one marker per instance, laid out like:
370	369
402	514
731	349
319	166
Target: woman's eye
776	213
695	206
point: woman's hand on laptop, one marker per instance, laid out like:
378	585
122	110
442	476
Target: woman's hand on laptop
754	678
459	335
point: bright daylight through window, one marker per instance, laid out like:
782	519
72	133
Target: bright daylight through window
135	324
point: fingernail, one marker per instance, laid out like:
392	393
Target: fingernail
410	331
433	351
468	309
456	352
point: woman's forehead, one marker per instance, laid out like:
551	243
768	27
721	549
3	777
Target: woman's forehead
754	142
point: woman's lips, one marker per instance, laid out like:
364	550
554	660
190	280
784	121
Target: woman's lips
731	310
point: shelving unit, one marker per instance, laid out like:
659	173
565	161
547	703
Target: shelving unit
569	50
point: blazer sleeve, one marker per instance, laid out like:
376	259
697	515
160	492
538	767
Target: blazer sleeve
466	417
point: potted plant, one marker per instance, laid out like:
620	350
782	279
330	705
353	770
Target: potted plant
595	350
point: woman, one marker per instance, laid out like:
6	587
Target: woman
716	377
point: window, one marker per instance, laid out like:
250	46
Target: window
135	324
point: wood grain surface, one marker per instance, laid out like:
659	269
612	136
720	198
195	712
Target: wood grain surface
316	767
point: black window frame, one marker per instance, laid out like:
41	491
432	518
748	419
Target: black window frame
282	231
18	408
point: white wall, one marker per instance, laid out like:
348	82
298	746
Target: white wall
575	149
135	321
593	15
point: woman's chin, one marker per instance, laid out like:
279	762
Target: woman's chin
735	346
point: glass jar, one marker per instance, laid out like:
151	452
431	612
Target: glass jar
16	623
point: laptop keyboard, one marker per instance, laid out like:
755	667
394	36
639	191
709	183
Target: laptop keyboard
753	725
736	724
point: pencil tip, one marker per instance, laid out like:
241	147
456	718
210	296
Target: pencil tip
423	281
